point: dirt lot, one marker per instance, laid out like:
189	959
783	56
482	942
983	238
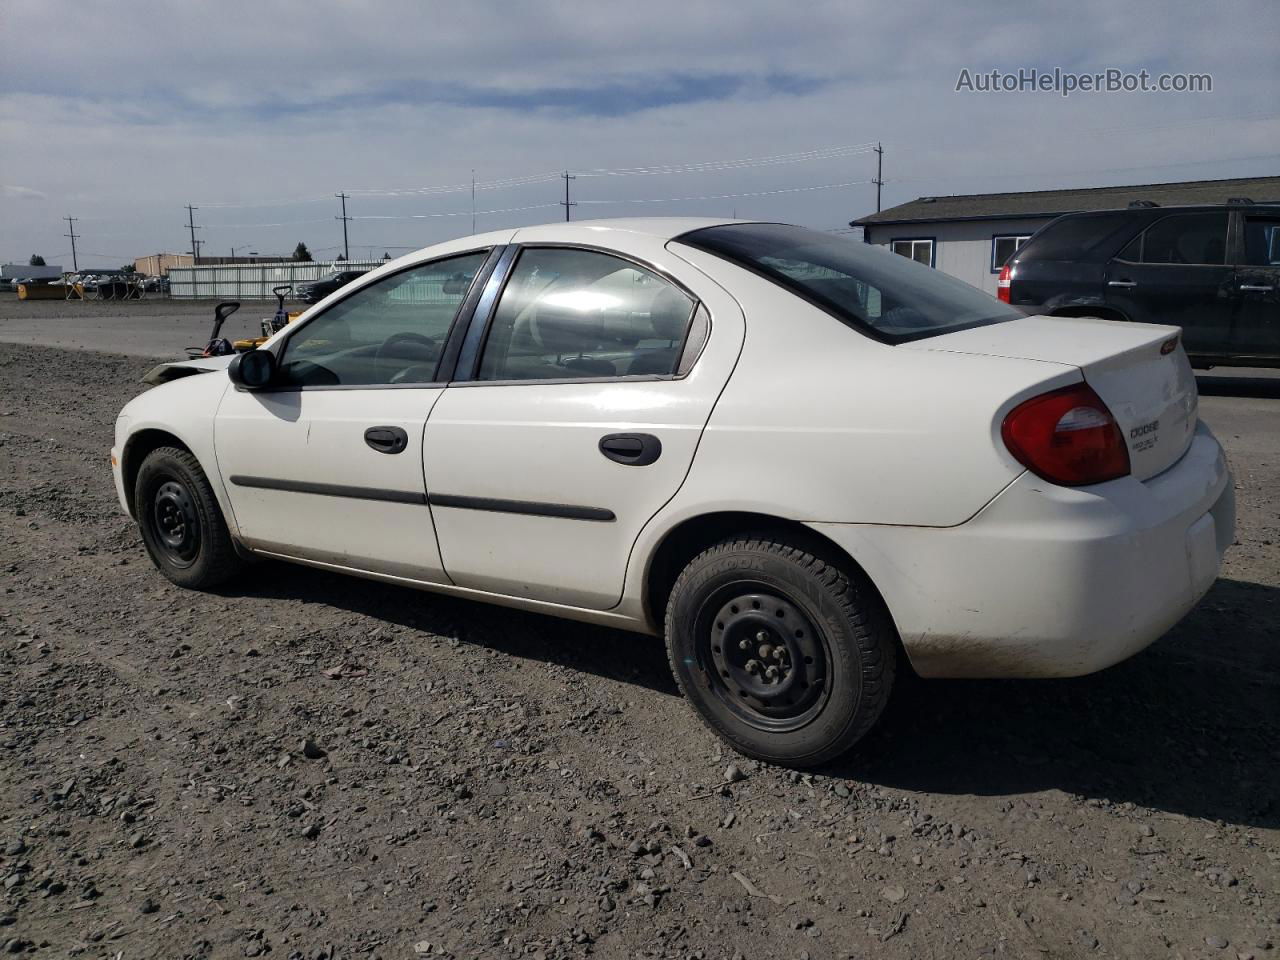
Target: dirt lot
485	784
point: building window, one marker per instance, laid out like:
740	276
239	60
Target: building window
918	249
1004	247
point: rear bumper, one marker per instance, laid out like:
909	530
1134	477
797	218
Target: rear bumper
1049	581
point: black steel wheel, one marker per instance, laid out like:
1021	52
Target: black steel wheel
763	657
177	524
181	522
787	656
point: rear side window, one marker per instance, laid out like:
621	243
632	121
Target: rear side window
868	287
1262	241
571	314
1187	238
1075	237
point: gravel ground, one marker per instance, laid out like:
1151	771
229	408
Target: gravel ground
309	766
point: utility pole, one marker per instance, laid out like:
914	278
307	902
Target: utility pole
346	252
566	203
191	225
71	225
879	180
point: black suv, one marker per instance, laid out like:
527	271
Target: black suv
317	290
1214	271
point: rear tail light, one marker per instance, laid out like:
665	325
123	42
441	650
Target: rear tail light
1067	436
1003	282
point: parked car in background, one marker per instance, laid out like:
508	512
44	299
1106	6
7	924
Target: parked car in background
792	454
316	290
1212	270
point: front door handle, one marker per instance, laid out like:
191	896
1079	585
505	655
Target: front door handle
386	439
631	449
1257	288
1121	283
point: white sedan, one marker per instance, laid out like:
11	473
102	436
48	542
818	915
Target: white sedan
796	456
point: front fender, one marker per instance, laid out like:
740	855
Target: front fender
181	411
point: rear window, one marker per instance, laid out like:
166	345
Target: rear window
888	296
1075	237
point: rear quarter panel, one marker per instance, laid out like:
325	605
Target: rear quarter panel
821	423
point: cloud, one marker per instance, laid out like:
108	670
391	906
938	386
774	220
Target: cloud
260	102
21	193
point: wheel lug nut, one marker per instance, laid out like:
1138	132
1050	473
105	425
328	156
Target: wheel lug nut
762	636
753	667
744	644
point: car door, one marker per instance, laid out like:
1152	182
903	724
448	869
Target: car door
1257	330
326	465
1176	272
581	396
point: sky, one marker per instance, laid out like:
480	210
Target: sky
259	112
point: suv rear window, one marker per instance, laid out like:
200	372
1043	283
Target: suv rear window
1072	237
885	295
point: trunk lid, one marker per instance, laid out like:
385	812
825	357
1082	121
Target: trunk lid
1140	371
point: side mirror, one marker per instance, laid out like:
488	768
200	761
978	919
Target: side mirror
253	370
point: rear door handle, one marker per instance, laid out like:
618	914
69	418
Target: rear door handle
1121	283
631	449
1256	288
386	439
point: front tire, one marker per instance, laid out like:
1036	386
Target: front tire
182	525
785	655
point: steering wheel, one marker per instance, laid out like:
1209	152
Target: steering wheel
392	366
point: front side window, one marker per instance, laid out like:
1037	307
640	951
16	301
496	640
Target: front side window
1187	238
392	331
572	314
1003	248
921	251
863	285
1262	241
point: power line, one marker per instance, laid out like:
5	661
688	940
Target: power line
733	196
346	252
71	227
703	166
459	213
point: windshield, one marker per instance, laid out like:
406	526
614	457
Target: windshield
883	294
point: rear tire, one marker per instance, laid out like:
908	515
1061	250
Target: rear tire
785	655
181	523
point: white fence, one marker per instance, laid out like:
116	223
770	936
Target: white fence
246	281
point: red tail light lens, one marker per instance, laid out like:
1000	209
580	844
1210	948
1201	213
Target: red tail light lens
1003	281
1067	436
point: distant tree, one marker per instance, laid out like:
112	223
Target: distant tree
129	268
301	253
385	255
339	257
36	261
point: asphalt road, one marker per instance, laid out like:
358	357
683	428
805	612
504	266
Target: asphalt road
156	327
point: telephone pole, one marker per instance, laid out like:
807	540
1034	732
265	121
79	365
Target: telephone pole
879	180
566	203
71	226
346	252
191	225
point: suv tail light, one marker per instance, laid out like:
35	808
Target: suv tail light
1067	436
1003	282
